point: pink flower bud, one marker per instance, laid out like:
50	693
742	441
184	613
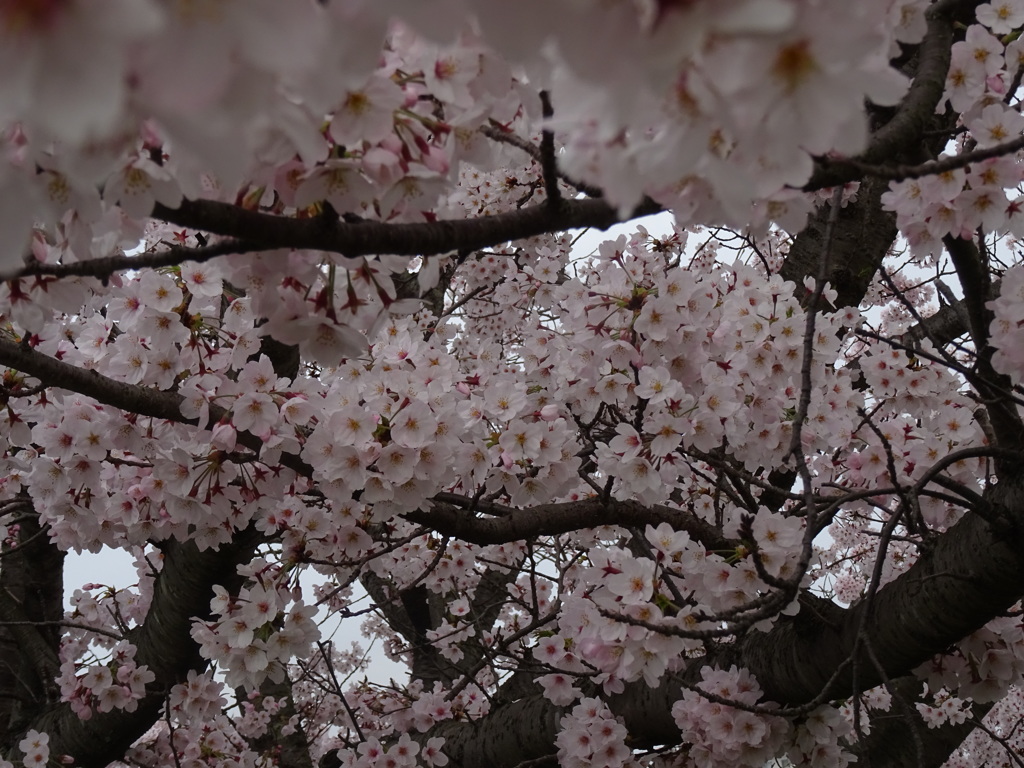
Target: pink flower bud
224	437
436	159
549	412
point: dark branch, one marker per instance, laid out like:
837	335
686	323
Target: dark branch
900	172
976	283
554	519
371	238
972	573
103	268
547	155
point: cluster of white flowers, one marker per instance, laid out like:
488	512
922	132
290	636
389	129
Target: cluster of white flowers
591	737
36	750
119	684
946	709
723	736
818	739
200	698
403	753
1007	329
255	635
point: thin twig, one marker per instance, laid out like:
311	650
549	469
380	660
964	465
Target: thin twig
103	268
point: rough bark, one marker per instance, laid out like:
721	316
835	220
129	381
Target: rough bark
861	237
31	591
412	613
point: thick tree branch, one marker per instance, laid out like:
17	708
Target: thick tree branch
412	613
164	644
941	328
861	238
972	574
554	519
371	238
31	590
975	280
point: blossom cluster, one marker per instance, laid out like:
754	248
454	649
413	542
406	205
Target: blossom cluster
213	742
655	371
960	200
404	753
724	735
818	739
253	635
198	699
591	736
984	666
1006	328
36	749
946	709
119	684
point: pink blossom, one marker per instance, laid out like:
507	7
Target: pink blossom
414	425
69	64
139	185
254	412
36	749
366	113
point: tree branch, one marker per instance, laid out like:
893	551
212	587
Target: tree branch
900	172
555	519
103	268
31	591
861	238
371	238
182	590
976	283
506	136
132	398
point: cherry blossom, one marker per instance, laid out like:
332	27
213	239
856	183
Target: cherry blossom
35	747
305	311
70	63
1001	17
